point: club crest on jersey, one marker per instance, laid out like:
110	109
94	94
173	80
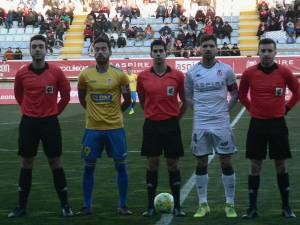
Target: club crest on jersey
278	91
219	73
109	81
170	91
49	89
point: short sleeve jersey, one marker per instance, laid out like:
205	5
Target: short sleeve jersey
103	97
208	90
161	93
132	81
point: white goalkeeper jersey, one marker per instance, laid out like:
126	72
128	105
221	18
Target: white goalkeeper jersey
206	89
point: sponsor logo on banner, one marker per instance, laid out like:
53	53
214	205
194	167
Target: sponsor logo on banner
185	65
4	68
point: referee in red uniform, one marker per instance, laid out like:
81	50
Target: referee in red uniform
267	83
158	90
36	91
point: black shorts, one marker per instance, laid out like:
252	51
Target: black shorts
264	133
33	130
162	137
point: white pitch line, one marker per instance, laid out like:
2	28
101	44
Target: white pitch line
166	219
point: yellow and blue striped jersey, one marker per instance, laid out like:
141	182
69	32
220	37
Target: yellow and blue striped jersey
132	81
103	97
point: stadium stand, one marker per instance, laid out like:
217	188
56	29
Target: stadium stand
69	37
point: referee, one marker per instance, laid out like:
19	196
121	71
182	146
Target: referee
158	90
267	83
36	91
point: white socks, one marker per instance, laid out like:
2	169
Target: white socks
201	185
229	187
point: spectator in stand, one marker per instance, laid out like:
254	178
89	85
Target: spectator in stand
161	11
290	28
290	14
8	55
115	24
19	16
177	10
166	29
40	19
178	47
126	12
201	32
209	29
169	12
262	5
200	16
218	28
210	15
262	28
50	41
297	27
225	50
149	32
235	51
273	20
140	36
135	11
183	21
2	16
227	30
112	42
189	43
121	41
165	38
124	25
105	8
9	19
131	33
29	17
181	36
88	33
192	23
59	32
18	55
263	14
297	10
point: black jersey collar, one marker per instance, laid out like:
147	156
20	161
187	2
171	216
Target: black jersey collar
38	71
269	69
167	71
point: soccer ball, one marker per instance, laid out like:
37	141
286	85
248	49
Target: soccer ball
164	202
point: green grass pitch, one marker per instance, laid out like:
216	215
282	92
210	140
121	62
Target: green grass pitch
43	208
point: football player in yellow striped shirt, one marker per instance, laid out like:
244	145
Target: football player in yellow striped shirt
100	88
132	81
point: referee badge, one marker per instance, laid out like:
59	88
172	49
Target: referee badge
49	89
170	91
278	91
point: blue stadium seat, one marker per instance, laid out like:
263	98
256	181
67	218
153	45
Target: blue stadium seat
167	20
159	20
20	31
156	35
235	19
134	21
235	33
12	31
3	31
130	42
138	43
147	43
142	21
28	30
176	20
151	20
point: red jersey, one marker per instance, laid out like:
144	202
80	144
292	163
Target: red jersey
267	91
36	91
160	93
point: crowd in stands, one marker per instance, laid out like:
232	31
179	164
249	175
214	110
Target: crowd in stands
285	17
182	39
53	23
10	55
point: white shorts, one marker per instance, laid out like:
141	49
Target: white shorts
206	142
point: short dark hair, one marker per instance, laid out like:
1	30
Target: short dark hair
158	42
38	37
267	41
208	37
103	38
